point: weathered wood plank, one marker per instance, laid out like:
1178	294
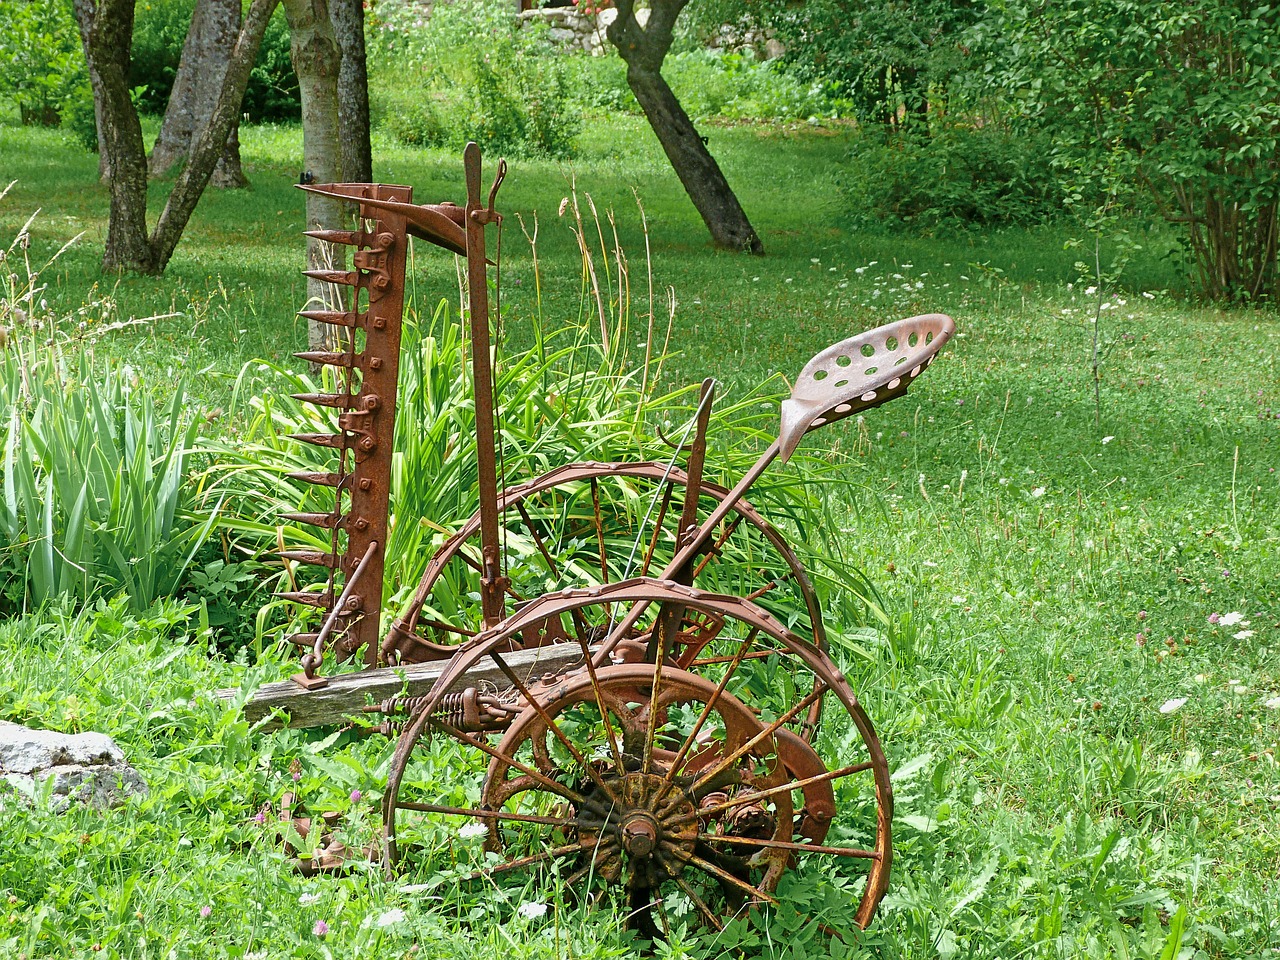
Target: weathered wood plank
347	694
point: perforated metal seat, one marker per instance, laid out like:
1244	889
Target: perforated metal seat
862	372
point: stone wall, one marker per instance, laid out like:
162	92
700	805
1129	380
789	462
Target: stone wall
568	27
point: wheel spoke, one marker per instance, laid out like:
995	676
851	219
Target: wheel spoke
699	903
529	861
533	532
557	788
669	779
554	727
485	814
714	550
716	870
657	529
795	847
599	522
752	796
764	734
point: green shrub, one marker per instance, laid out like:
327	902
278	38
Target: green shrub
470	73
961	176
41	66
94	476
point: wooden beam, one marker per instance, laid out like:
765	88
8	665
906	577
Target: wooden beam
347	693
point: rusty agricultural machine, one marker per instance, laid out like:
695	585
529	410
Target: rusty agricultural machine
697	743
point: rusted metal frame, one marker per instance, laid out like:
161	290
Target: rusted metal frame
311	662
492	578
580	847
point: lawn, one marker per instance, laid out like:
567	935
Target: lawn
1054	569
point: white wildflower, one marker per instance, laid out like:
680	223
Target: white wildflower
532	910
1231	619
469	831
1174	705
1038	492
1243	634
393	916
1106	440
1273	703
309	898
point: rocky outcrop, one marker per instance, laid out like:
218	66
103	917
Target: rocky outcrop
85	767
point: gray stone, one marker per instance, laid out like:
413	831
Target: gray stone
87	767
773	48
560	35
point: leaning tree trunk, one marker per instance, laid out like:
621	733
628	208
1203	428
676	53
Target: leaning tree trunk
317	60
347	17
215	24
644	48
210	143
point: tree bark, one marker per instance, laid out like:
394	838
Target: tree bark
106	32
317	60
215	25
347	17
643	48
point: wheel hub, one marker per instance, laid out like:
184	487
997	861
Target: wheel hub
648	832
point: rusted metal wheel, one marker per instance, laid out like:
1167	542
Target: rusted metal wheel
586	524
682	798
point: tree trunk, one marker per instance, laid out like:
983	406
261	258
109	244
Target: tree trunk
317	61
215	24
644	48
106	32
347	17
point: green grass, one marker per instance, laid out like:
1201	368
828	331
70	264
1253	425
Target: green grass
1053	810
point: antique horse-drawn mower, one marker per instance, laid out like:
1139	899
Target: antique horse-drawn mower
636	652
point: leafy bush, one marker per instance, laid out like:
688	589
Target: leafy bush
41	66
469	73
94	477
160	30
961	176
